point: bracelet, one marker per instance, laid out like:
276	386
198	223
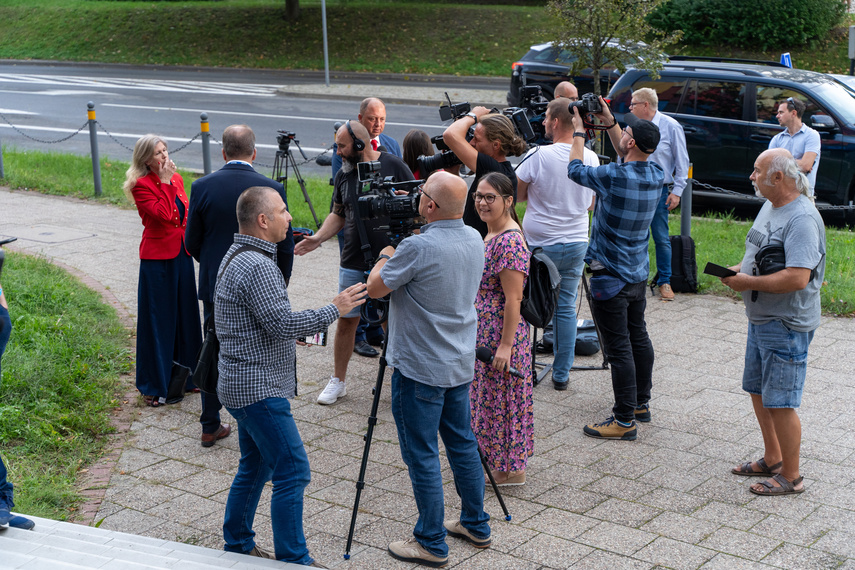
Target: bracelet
383	256
578	134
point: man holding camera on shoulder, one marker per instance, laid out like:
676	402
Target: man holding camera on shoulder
354	146
627	195
493	139
432	348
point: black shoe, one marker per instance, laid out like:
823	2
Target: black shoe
560	385
362	348
376	340
543	348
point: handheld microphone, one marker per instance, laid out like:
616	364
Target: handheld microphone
483	354
381	148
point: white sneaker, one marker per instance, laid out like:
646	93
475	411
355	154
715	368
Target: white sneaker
335	389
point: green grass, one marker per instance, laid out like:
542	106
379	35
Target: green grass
441	37
60	379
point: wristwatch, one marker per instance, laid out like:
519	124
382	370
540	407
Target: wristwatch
578	134
473	115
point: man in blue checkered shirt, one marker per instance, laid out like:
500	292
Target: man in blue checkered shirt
257	332
627	196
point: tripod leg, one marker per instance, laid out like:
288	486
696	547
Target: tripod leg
489	473
302	184
372	421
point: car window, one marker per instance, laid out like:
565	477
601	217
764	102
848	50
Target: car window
721	99
669	92
769	97
840	99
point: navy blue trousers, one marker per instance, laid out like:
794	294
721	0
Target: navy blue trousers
168	327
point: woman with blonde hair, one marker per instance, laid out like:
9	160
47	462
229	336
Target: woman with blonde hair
169	333
502	404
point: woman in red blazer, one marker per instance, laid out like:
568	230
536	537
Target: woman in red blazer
169	332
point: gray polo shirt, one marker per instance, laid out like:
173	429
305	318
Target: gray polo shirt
434	277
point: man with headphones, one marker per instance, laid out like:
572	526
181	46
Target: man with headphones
353	142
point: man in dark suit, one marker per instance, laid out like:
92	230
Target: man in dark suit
211	226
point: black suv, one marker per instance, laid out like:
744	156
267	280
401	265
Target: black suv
728	113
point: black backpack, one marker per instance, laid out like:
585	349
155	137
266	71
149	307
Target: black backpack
540	296
684	266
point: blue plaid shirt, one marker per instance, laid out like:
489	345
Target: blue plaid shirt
627	196
256	327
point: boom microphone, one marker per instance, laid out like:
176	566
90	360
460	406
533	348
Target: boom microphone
483	354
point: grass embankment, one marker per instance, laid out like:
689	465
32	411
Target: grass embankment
402	36
720	240
60	379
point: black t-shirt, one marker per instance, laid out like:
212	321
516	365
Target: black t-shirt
346	184
484	164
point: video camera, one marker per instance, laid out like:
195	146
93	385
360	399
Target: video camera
284	139
589	103
378	199
532	100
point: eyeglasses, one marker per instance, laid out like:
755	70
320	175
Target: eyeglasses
489	198
791	104
634	103
574	99
624	131
421	189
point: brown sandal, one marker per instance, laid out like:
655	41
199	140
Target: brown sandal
767	470
787	487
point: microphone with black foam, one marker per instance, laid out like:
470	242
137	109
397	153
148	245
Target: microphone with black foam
483	354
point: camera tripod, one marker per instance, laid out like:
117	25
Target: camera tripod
382	310
284	157
545	368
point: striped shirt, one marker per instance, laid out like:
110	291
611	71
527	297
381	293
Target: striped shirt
256	327
627	196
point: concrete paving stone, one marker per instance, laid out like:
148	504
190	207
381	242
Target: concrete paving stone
849	564
57	555
338	442
725	489
571	499
626	467
680	527
674	554
723	561
552	551
185	508
672	439
622	512
830	494
321	481
506	535
170	421
146	496
398	481
70	544
205	483
729	515
363	556
380	533
531	489
824	451
600	559
323	461
107	508
792	556
167	471
328	549
335	520
133	459
374	472
520	510
563	524
217	458
309	431
183	448
339	493
350	423
567	475
616	538
395	506
130	521
671	500
740	543
789	529
19	545
795	510
836	542
16	560
619	487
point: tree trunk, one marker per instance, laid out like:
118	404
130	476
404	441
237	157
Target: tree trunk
292	9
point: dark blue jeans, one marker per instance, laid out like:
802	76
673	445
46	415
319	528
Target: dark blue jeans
659	233
211	406
270	449
628	347
5	333
420	412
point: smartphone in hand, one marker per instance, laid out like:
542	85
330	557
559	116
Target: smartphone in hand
718	270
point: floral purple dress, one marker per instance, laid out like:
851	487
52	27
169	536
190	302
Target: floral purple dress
502	406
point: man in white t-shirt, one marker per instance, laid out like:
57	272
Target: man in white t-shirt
556	219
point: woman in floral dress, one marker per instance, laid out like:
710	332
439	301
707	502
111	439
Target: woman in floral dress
502	407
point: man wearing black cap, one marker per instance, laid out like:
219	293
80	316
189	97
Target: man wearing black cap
627	196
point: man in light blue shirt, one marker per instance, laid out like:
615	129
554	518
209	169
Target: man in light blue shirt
433	279
802	141
672	156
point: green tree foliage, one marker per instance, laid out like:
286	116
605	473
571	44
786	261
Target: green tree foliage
769	24
604	33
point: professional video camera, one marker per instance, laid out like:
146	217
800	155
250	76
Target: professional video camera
589	103
532	100
522	123
443	159
378	199
284	139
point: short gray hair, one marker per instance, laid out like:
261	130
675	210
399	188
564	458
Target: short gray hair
789	168
648	95
252	202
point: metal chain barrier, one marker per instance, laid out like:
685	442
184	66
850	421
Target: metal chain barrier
820	207
114	139
22	133
185	145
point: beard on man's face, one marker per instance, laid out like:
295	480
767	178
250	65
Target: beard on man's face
349	161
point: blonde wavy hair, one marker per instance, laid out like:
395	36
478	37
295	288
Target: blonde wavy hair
143	151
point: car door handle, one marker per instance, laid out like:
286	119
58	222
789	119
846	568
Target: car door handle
690	129
760	138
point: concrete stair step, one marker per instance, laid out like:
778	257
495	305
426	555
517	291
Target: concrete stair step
55	545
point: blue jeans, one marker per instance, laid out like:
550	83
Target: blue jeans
628	347
659	233
776	364
5	333
569	259
270	449
420	412
211	406
5	487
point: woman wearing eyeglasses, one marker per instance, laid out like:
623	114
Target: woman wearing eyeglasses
502	407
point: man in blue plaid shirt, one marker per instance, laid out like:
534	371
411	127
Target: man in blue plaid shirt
257	332
627	196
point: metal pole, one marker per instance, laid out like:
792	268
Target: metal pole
93	143
686	206
326	50
206	143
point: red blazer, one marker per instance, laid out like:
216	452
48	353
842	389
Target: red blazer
163	230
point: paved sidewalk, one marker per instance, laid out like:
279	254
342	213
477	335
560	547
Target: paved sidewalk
666	500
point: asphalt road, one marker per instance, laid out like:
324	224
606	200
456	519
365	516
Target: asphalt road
49	102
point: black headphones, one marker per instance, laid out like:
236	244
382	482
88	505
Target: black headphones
358	144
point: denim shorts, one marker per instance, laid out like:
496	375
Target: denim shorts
346	278
776	364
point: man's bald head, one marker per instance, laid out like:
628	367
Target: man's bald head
344	140
567	90
449	192
372	114
238	143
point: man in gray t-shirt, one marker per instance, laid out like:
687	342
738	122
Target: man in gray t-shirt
783	309
433	278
